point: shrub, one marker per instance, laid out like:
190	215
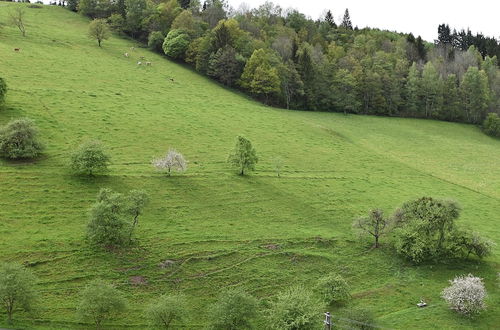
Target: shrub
294	308
357	318
173	160
3	90
233	310
466	295
90	158
176	44
491	125
333	289
100	301
166	310
155	40
19	139
16	288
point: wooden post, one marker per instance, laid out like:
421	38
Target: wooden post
328	321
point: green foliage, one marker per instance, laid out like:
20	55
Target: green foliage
259	77
333	288
109	224
117	23
3	90
426	231
90	158
244	157
100	301
155	40
19	139
185	22
475	94
16	288
226	65
233	310
166	311
99	30
467	243
294	309
176	44
491	125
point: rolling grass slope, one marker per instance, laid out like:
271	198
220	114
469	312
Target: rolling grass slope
215	225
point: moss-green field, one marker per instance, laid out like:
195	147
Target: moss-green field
218	227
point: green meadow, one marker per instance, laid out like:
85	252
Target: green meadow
258	232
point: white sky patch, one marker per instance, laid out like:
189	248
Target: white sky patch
419	17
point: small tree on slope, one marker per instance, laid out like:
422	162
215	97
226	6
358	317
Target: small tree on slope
466	295
244	157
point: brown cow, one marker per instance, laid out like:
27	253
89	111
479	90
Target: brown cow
17	49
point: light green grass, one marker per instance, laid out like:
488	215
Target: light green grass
213	223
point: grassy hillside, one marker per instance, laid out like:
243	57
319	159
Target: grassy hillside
215	225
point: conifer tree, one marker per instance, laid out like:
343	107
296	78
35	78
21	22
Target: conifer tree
329	19
346	21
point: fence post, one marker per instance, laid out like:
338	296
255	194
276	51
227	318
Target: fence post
328	321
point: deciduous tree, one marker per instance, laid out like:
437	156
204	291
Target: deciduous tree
375	224
167	310
294	308
233	310
244	157
466	295
100	301
16	288
19	139
173	160
17	18
90	158
99	30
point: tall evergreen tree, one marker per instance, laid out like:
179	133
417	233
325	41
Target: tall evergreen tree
329	19
346	21
421	50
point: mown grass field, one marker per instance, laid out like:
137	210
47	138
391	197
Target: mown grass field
216	225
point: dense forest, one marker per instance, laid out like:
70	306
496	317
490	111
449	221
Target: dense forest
284	58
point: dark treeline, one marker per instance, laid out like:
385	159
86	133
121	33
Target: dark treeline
283	58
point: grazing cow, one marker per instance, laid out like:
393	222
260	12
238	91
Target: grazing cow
148	63
139	63
142	58
132	48
126	54
17	49
172	79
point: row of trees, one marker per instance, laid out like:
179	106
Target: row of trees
463	39
297	307
285	59
100	301
424	230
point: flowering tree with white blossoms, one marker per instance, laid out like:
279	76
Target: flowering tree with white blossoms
466	295
173	160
